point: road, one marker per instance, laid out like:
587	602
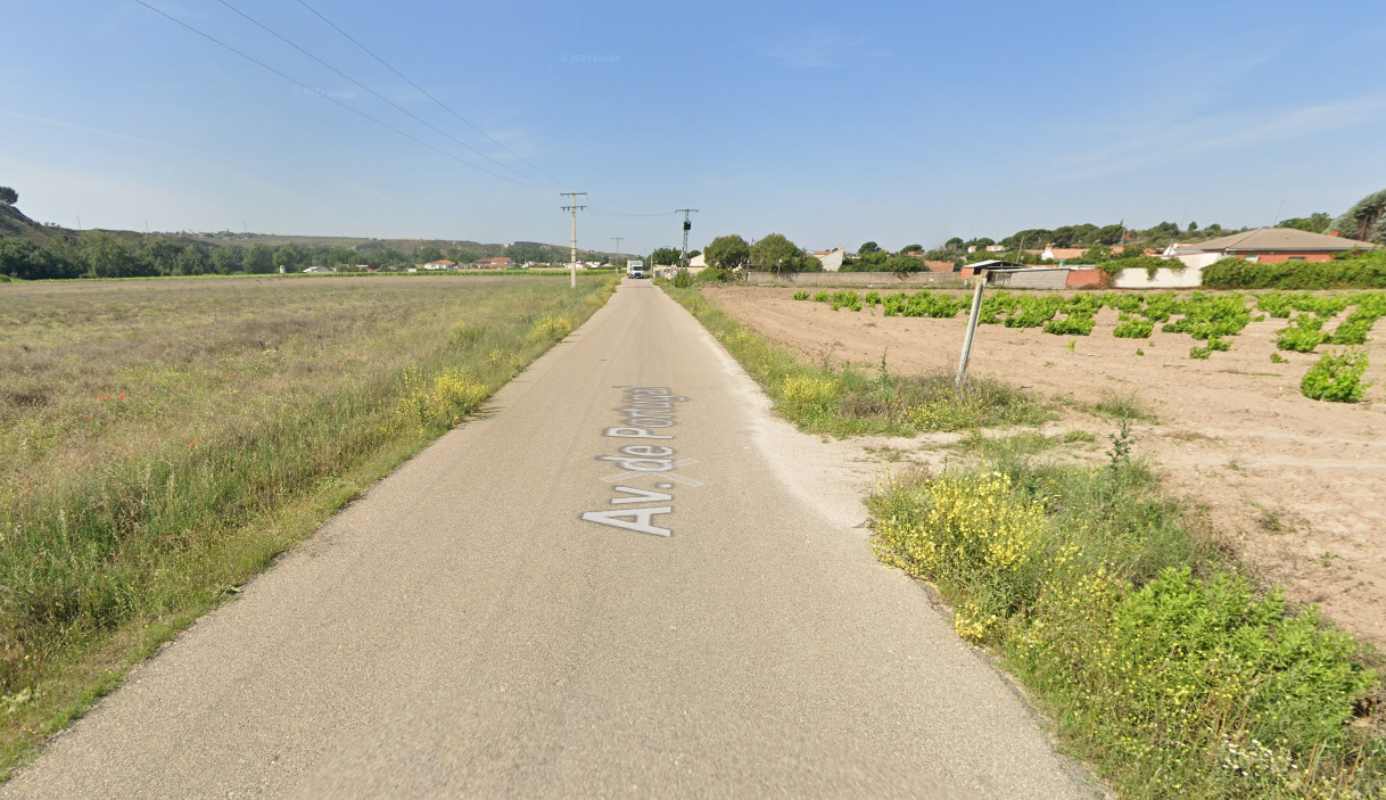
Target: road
463	631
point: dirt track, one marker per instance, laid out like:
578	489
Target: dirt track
1298	486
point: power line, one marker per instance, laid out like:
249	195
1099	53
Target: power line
362	86
334	26
319	92
633	214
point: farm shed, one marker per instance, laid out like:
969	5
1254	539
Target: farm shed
1029	278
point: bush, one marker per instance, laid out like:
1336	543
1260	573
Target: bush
1337	379
1359	270
715	275
1070	326
551	328
1161	664
1303	336
801	295
682	279
444	403
822	297
1131	328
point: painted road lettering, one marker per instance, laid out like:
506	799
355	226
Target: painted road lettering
647	413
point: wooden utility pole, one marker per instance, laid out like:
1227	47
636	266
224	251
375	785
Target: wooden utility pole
981	282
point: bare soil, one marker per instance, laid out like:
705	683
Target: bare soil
1297	487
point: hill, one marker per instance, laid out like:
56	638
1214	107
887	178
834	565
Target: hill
14	224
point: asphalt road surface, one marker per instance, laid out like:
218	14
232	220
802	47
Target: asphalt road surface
464	631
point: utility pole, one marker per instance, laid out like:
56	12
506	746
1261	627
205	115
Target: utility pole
966	355
618	240
574	207
687	226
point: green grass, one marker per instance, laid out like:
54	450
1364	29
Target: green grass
850	401
1125	406
162	441
1161	663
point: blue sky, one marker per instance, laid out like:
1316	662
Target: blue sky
829	122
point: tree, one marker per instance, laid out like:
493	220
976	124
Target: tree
913	248
1110	234
775	253
291	258
868	247
8	196
901	263
192	260
665	256
1317	222
24	259
1193	227
427	253
956	243
728	252
226	260
1366	220
260	260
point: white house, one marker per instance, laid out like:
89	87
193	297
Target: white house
830	259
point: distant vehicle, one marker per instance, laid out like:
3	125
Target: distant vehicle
635	268
318	270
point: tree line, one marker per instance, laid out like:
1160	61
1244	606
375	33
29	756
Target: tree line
107	254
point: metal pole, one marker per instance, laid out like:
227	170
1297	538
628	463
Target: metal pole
687	225
981	282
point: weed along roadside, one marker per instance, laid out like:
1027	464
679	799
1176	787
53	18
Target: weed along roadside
276	426
1162	662
845	401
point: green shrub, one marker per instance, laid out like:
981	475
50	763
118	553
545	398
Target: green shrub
822	297
1360	270
1303	335
1337	379
1200	353
1132	328
873	298
1276	358
1070	326
682	279
801	295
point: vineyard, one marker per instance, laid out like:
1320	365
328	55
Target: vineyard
1212	321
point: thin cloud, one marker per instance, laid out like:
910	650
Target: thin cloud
1143	146
813	49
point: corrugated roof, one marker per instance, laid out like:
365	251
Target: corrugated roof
1277	240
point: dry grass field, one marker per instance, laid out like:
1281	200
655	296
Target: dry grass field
1297	486
161	440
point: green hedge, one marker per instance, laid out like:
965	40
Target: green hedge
1360	271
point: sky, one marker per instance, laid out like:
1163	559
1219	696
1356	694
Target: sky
832	123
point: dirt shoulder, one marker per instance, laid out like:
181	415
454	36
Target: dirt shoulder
1298	487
